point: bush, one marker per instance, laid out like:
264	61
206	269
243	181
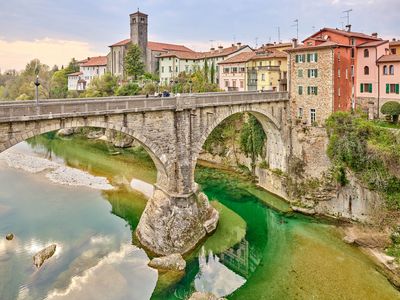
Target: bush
129	89
392	109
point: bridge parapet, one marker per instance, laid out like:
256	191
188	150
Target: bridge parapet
28	110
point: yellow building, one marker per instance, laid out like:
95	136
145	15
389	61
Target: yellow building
267	71
395	47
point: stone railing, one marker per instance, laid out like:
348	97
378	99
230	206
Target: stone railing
29	110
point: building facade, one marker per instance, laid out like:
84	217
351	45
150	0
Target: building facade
394	47
233	72
88	69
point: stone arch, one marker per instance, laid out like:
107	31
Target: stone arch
276	148
159	159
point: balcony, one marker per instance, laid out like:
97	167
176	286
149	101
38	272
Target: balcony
269	68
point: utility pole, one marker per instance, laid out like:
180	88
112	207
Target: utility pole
296	24
256	39
347	12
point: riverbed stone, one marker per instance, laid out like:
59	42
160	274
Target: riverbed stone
173	262
204	296
174	224
303	210
43	255
9	237
65	132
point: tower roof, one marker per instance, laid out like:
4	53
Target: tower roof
138	13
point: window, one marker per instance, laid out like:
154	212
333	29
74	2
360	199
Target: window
312	73
312	90
392	88
170	69
187	69
263	77
352	52
260	64
300	73
234	83
226	83
338	92
242	70
366	87
313	115
391	70
312	57
234	70
366	70
226	70
176	69
385	70
241	84
300	58
352	71
353	42
300	90
300	113
393	50
338	73
162	69
366	53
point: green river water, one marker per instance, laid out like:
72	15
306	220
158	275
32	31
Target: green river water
257	252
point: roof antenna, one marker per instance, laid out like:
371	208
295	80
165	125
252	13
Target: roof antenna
234	39
296	24
212	43
279	34
256	39
347	12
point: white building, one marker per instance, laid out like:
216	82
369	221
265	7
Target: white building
88	69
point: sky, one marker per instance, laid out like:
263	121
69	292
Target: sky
57	30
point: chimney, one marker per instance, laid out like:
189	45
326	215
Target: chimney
233	45
220	49
393	40
375	35
239	44
294	43
348	27
212	49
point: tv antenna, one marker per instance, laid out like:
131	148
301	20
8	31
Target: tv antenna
279	34
347	12
256	39
296	24
212	43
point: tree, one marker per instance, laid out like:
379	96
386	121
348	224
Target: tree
102	86
212	72
72	67
133	62
206	70
59	84
129	89
391	109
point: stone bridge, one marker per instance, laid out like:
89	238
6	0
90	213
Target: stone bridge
173	131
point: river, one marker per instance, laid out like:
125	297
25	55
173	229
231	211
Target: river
258	252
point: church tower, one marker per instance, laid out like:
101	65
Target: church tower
139	32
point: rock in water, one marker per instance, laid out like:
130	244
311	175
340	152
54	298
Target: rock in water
173	262
9	237
65	132
204	296
43	255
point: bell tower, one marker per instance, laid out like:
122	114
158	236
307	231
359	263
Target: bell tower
139	26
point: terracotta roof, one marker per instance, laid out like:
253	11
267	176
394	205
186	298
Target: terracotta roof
121	43
260	54
155	46
239	58
96	61
278	45
163	47
75	74
344	33
83	61
389	58
202	55
394	43
327	44
183	55
372	44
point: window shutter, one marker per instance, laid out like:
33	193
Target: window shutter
316	72
297	58
309	72
316	90
361	88
370	87
387	88
308	57
316	57
304	57
397	89
308	90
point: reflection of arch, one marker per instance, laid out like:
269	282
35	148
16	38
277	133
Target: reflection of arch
276	149
152	149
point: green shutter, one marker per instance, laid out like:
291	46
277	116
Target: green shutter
397	89
361	88
387	88
297	58
316	72
300	90
316	90
309	73
308	90
316	57
304	57
308	57
370	87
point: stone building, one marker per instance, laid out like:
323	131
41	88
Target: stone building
322	73
88	69
139	36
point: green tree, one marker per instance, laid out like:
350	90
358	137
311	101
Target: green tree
212	75
392	110
206	70
133	62
103	86
59	84
129	89
72	67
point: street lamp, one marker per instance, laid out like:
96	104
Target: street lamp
37	83
176	86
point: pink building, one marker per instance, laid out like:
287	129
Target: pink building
389	74
233	72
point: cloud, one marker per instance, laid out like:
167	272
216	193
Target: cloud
16	54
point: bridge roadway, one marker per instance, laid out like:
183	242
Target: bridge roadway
173	131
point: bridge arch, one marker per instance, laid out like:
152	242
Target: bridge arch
151	148
276	147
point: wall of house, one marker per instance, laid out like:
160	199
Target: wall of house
232	80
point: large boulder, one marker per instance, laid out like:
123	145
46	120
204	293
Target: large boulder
65	132
175	224
204	296
173	262
40	257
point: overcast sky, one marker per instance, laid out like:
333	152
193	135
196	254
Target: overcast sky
56	30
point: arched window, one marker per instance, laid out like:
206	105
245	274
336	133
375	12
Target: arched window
385	70
366	70
391	70
366	53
